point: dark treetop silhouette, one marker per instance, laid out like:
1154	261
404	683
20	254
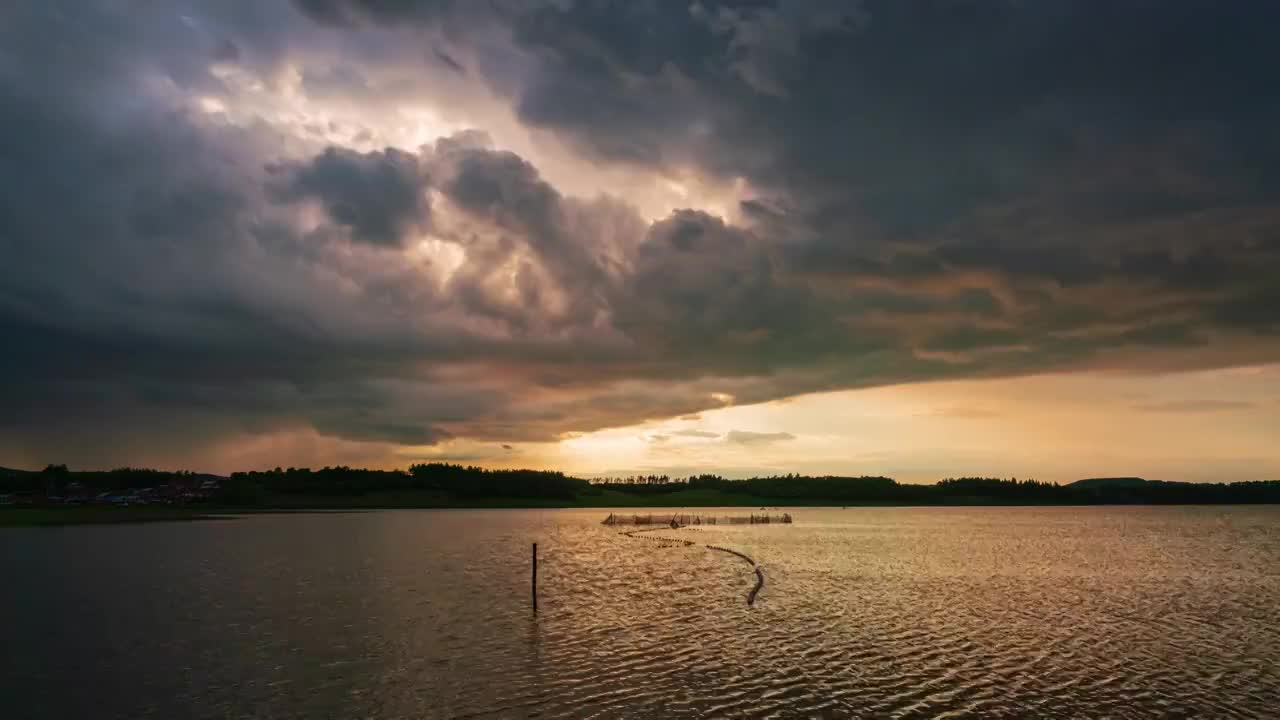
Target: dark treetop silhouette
442	484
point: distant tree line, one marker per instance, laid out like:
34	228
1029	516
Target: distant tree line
458	482
442	478
962	490
804	487
57	479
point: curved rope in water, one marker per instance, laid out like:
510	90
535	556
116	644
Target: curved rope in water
751	596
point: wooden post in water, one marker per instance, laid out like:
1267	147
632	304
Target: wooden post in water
534	587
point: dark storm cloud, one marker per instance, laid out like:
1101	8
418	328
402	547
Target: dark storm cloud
998	136
378	196
162	298
933	189
448	61
227	51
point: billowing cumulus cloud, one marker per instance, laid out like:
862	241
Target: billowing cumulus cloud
242	219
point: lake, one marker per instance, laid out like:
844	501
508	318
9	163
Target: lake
872	612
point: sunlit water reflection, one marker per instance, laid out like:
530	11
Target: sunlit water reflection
875	612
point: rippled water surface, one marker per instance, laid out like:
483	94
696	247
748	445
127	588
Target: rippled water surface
874	612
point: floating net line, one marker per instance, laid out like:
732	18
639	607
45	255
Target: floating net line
674	522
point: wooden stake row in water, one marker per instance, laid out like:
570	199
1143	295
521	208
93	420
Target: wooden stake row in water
681	520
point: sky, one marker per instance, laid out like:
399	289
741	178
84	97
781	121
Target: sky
919	238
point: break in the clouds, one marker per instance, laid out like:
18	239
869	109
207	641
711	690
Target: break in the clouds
395	223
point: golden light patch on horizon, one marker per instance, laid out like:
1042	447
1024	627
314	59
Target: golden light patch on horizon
1202	425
